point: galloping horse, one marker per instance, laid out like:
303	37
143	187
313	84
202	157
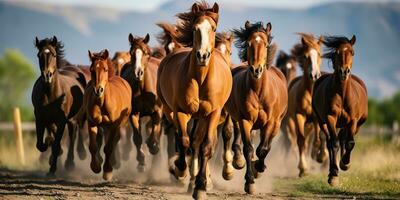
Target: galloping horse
287	64
340	101
259	95
108	104
300	121
223	42
119	60
57	97
142	77
190	86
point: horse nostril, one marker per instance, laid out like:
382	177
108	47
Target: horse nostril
101	90
198	55
348	70
208	54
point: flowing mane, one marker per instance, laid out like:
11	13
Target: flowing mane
308	41
99	56
169	32
187	21
332	43
241	36
59	48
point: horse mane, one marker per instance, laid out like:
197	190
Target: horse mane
59	47
187	20
136	42
99	56
300	49
332	43
221	37
241	36
169	32
282	58
158	52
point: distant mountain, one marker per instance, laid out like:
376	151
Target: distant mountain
376	25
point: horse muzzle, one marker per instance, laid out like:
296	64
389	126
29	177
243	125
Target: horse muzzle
139	74
48	76
344	73
257	72
99	91
203	57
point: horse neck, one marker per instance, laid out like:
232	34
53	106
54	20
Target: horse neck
53	90
257	85
197	72
307	82
340	86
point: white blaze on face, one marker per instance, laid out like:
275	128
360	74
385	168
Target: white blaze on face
289	65
204	28
120	61
258	39
222	48
171	46
314	62
46	51
138	62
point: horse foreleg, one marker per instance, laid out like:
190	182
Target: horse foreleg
81	118
267	133
333	147
238	158
153	141
349	145
69	162
301	144
248	150
137	140
127	142
95	163
56	148
227	131
111	143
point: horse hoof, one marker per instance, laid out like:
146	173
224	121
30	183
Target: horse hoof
250	188
322	156
238	162
96	168
256	173
199	194
141	168
333	181
343	166
303	173
227	172
153	147
107	176
69	166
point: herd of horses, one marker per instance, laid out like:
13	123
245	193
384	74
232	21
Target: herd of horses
189	89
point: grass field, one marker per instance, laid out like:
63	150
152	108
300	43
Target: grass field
374	173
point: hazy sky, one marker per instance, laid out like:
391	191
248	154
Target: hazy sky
145	5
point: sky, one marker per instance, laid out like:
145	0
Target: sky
148	5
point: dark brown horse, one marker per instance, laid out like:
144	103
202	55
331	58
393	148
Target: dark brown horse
119	60
287	64
340	101
57	97
259	96
190	86
107	100
300	122
142	77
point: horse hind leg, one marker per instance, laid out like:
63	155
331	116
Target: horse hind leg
227	131
301	144
153	141
116	155
94	138
179	170
349	144
56	148
238	158
81	144
248	150
69	162
138	141
111	143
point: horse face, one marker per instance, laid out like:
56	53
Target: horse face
140	55
312	59
225	46
204	39
120	59
257	53
47	56
344	60
99	72
289	68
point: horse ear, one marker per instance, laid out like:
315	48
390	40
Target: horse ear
146	38
104	55
320	40
195	8
90	54
303	41
37	41
215	8
130	38
54	41
268	27
230	38
247	25
353	40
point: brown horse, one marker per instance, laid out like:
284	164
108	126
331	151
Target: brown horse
167	38
340	101
287	64
300	122
223	42
259	95
108	105
57	97
190	86
142	77
119	60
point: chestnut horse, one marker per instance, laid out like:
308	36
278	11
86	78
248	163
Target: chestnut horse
57	97
287	64
300	122
141	75
119	60
167	38
108	104
340	101
259	96
190	86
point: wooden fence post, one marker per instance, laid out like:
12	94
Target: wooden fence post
18	136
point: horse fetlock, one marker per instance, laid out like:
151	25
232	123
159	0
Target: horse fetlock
250	188
259	166
343	165
227	171
153	146
238	161
199	194
333	181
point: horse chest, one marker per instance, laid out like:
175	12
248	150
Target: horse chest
98	115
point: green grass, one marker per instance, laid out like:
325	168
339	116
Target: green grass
375	173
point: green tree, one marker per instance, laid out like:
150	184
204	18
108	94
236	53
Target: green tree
16	79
